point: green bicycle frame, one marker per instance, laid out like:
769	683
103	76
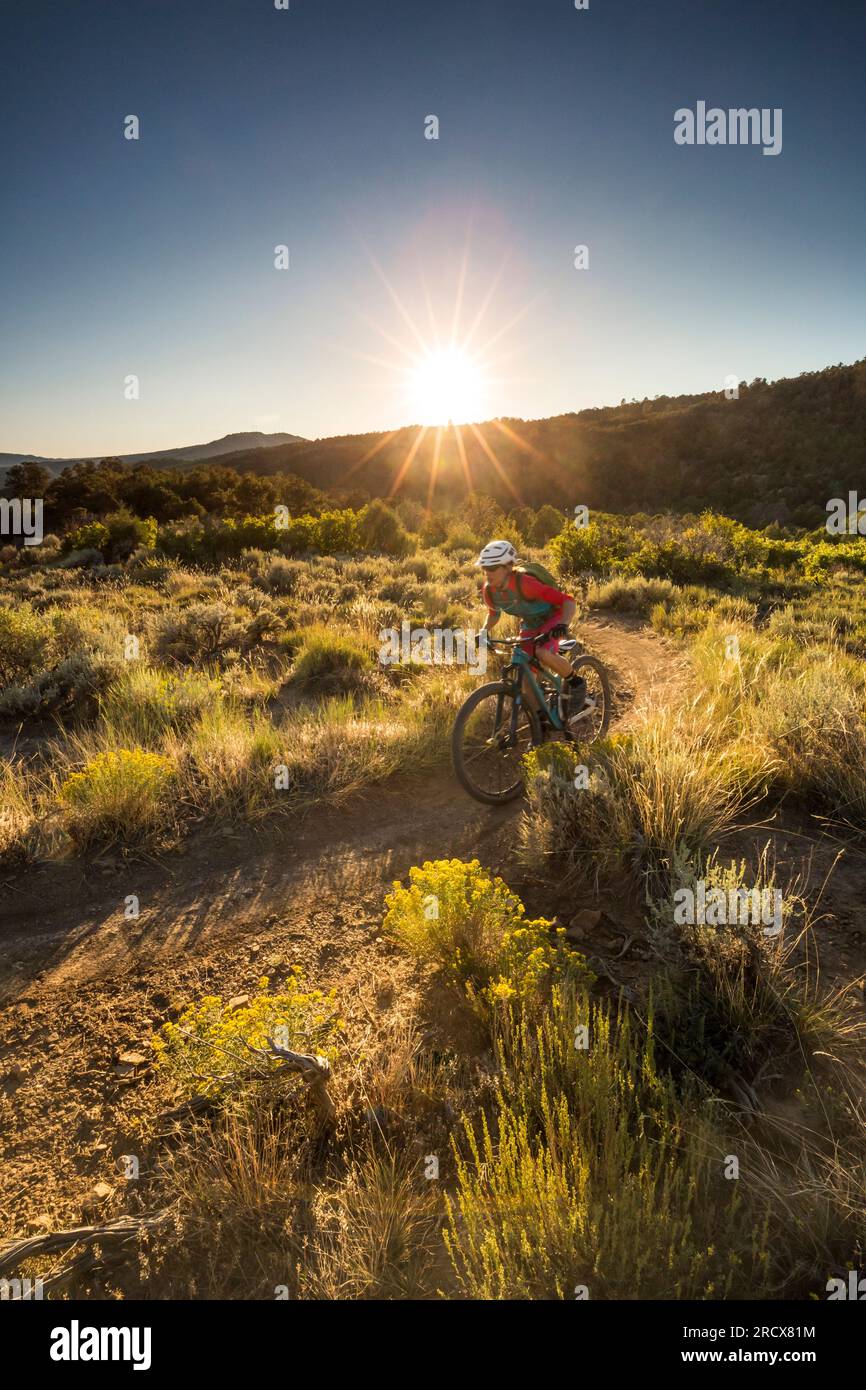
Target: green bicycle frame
523	662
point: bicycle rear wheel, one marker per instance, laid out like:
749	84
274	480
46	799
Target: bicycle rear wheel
491	735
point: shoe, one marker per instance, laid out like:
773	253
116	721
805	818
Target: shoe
572	698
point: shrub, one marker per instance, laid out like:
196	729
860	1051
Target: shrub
416	565
211	632
547	523
580	548
459	537
191	541
594	1173
117	536
382	530
734	1000
520	519
73	681
208	1047
332	533
144	567
476	931
637	595
331	663
410	512
122	794
434	530
281	576
200	634
144	703
26	641
93	535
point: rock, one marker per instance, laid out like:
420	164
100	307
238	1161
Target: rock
133	1059
237	1002
583	924
39	1223
101	1191
129	1064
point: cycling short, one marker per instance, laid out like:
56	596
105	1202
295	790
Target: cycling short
545	643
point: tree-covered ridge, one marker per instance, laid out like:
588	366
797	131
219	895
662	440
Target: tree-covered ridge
775	453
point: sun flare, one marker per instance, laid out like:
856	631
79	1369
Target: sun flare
447	387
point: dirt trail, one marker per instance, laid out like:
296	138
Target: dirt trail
64	924
645	670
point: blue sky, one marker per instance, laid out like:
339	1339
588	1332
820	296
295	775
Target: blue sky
306	127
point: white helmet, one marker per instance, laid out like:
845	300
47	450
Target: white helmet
497	553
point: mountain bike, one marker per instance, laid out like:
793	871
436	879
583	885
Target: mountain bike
503	720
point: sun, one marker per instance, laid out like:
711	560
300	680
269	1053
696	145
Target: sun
447	387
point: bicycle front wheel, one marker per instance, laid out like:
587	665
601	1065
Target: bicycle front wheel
491	734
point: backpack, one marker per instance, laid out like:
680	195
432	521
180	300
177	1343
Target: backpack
538	572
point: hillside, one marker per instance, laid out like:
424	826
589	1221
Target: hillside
777	453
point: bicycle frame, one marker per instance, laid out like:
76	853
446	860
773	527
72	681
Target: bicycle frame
523	666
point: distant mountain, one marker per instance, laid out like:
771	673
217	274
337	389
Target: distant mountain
188	453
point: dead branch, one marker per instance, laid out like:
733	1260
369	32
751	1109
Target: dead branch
315	1072
124	1229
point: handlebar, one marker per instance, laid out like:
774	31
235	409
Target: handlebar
518	641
